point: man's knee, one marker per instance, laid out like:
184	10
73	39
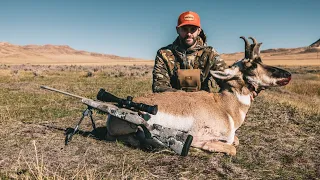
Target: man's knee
118	127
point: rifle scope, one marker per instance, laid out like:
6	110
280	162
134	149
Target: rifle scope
126	103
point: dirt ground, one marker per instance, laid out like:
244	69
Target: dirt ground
279	139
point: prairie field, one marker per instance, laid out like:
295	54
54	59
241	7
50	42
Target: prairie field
278	140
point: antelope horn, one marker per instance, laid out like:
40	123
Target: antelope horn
256	50
253	40
247	48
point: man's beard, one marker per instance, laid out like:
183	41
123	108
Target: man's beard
187	44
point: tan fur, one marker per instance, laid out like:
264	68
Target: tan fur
215	146
210	111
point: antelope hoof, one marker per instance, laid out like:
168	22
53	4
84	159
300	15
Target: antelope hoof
235	141
218	146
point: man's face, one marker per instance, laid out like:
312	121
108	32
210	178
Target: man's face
188	34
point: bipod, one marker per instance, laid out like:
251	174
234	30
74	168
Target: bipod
87	112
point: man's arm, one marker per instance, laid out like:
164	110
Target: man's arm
216	63
219	64
161	79
212	61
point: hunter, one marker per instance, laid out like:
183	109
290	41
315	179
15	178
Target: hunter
185	64
182	65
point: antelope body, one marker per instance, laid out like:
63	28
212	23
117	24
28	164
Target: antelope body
213	118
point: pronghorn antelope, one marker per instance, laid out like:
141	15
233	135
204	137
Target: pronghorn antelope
213	118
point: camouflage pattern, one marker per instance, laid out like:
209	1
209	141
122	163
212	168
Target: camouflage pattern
172	57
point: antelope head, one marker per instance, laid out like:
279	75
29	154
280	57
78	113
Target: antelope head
251	73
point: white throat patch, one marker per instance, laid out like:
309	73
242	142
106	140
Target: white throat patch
244	99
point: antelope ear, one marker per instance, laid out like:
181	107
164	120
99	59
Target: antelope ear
226	74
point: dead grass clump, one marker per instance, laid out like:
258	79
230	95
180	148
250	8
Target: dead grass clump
121	74
15	72
89	74
4	66
132	74
147	72
37	73
96	69
106	74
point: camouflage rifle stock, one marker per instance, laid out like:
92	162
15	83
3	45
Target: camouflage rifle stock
176	140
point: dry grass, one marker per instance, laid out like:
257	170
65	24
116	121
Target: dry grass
279	139
303	92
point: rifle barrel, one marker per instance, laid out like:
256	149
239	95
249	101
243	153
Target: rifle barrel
62	92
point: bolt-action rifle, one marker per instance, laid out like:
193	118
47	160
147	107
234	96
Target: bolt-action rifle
136	113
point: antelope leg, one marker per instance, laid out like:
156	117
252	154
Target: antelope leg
216	146
235	141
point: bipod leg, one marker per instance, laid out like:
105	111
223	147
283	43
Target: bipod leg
84	114
92	121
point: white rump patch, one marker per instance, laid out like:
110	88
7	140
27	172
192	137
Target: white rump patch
183	123
244	99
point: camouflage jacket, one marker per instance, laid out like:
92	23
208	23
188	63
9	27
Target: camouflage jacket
173	57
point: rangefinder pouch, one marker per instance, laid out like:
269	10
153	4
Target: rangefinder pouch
189	79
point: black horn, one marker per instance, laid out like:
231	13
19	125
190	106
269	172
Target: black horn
247	48
253	40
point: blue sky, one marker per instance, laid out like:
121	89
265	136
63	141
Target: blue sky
139	28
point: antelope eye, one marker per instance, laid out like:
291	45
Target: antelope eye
254	65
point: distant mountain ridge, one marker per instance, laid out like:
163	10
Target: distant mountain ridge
307	52
314	47
64	53
11	50
282	51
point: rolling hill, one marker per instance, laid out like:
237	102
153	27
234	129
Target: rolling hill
57	54
65	55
